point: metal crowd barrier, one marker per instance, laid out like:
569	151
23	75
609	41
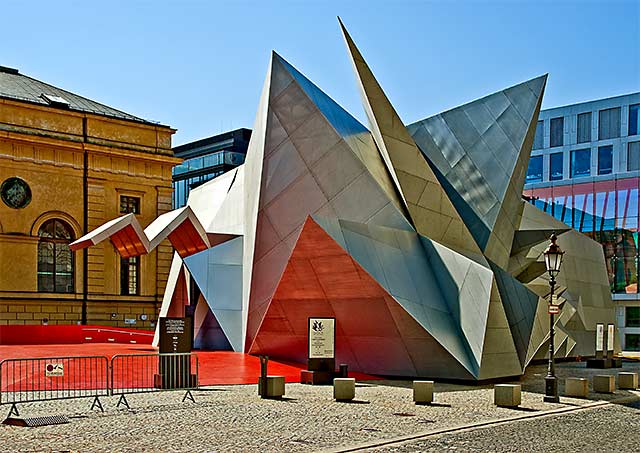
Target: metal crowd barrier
53	378
142	373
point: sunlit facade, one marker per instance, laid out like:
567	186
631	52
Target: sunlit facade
585	171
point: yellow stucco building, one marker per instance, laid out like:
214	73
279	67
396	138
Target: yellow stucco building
67	165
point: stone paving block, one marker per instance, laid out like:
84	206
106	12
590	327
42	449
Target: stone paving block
507	395
604	383
628	381
578	387
423	392
344	389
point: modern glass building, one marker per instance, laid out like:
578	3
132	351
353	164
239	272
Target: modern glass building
205	159
585	171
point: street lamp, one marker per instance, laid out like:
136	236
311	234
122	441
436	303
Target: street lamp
552	260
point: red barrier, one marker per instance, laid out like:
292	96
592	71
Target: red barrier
72	334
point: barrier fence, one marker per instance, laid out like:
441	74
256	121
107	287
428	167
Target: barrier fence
142	373
55	378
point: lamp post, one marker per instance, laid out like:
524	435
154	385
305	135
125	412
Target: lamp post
552	260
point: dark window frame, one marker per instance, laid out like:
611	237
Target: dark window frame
551	174
601	170
533	159
130	276
572	169
129	204
634	111
586	135
556	139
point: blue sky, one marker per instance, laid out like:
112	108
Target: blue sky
199	66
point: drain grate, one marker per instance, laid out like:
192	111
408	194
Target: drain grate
37	421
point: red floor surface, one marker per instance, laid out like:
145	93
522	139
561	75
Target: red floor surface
215	367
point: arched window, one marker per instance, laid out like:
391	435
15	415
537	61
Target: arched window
55	258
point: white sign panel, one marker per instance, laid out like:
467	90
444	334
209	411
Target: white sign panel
54	370
322	338
599	337
610	339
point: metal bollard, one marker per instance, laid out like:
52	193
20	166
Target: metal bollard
262	383
344	370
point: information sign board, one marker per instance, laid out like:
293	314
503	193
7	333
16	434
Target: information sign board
322	336
611	329
599	337
176	335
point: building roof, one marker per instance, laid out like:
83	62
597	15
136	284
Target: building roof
16	86
235	140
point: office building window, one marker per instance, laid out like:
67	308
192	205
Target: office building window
129	204
633	156
534	172
632	317
557	131
609	123
584	127
632	342
556	166
605	160
129	276
580	163
55	258
634	119
538	140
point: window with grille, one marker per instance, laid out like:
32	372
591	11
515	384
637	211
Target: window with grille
129	204
55	258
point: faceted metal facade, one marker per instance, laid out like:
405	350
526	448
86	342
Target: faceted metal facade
416	239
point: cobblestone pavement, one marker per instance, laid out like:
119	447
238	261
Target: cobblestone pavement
234	418
611	428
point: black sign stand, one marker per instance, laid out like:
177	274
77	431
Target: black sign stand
320	371
176	337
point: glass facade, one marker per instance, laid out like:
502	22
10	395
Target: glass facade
205	159
534	172
580	163
556	166
606	211
605	160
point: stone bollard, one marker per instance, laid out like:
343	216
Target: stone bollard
604	383
507	395
344	389
627	381
423	392
578	387
273	387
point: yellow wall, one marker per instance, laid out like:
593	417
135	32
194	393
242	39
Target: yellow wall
46	147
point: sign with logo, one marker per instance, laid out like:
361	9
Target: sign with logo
599	337
54	370
554	309
176	335
322	338
611	329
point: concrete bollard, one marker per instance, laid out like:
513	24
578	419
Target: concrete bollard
507	395
578	387
628	381
604	383
344	389
423	392
273	387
